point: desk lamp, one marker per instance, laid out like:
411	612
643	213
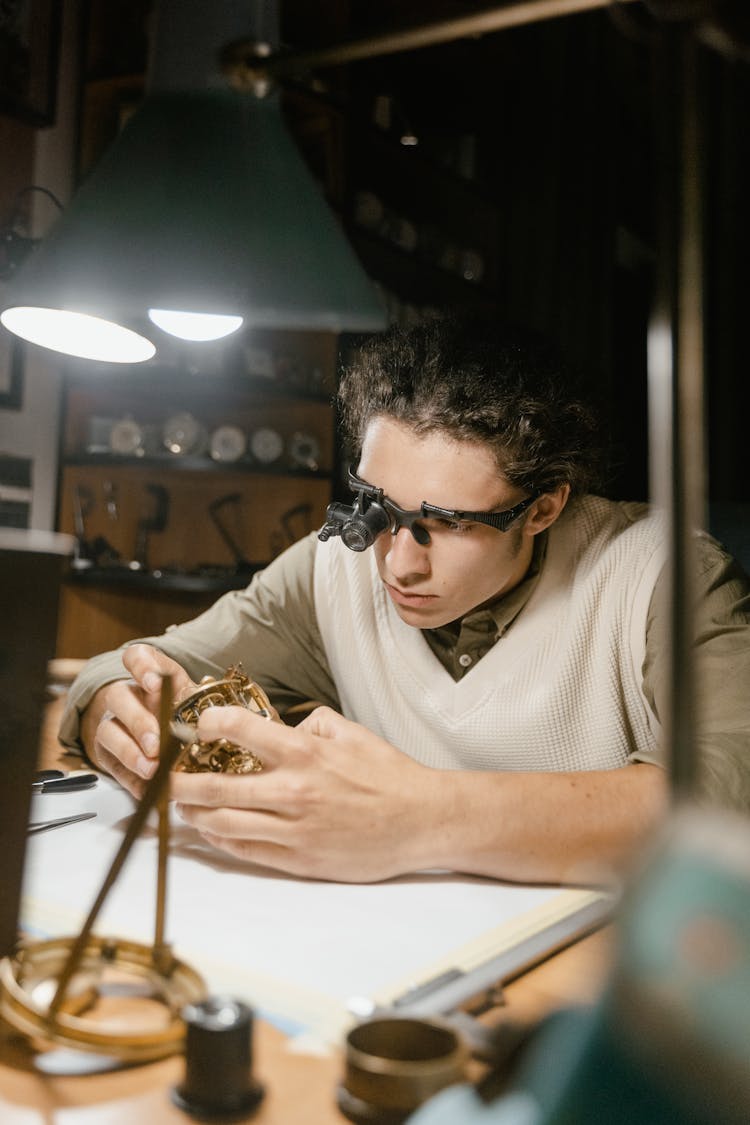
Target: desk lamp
201	217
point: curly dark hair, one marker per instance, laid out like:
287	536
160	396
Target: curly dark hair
481	381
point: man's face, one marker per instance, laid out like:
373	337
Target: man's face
464	565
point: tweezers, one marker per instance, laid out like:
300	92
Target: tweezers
60	822
68	783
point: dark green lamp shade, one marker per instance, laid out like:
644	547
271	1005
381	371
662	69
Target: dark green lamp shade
203	204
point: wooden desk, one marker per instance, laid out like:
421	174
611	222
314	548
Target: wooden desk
298	1087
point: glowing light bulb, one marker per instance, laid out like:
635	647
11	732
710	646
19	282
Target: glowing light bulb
77	334
195	326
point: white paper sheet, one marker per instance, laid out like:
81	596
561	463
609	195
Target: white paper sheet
297	950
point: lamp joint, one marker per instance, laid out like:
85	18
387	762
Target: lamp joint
242	64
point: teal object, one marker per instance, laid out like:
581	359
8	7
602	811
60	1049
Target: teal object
204	204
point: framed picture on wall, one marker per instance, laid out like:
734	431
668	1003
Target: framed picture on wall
29	43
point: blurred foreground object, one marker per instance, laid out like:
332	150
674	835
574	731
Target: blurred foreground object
668	1042
32	565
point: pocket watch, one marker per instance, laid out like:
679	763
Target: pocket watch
183	434
304	451
219	756
126	437
228	443
266	445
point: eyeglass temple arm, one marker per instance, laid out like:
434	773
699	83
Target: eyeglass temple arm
494	519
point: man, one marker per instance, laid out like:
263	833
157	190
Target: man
491	669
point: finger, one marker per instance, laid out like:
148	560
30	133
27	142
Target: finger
236	824
136	786
125	702
253	836
118	743
326	723
148	666
277	792
260	853
271	742
289	860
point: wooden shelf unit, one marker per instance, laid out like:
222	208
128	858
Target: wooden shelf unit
162	534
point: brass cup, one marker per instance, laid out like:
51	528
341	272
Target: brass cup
394	1064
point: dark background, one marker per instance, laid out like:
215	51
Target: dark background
564	113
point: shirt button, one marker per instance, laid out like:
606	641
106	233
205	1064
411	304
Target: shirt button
464	660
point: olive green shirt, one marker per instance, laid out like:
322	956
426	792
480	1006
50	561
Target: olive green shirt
274	620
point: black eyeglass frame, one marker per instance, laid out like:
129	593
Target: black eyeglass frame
400	517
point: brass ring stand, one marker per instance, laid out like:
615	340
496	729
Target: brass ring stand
47	986
29	979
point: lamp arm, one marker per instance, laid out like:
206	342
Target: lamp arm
250	67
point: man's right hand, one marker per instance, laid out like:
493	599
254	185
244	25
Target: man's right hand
120	726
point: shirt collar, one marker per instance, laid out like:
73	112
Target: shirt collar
498	616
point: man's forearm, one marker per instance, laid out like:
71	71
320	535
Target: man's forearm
550	827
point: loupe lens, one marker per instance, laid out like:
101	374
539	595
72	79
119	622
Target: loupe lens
362	530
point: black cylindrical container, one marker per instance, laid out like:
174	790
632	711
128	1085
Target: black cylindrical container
218	1083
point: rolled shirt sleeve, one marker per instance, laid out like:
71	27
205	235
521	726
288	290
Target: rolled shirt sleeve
722	674
269	628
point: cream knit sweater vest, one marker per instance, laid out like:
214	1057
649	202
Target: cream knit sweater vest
560	691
